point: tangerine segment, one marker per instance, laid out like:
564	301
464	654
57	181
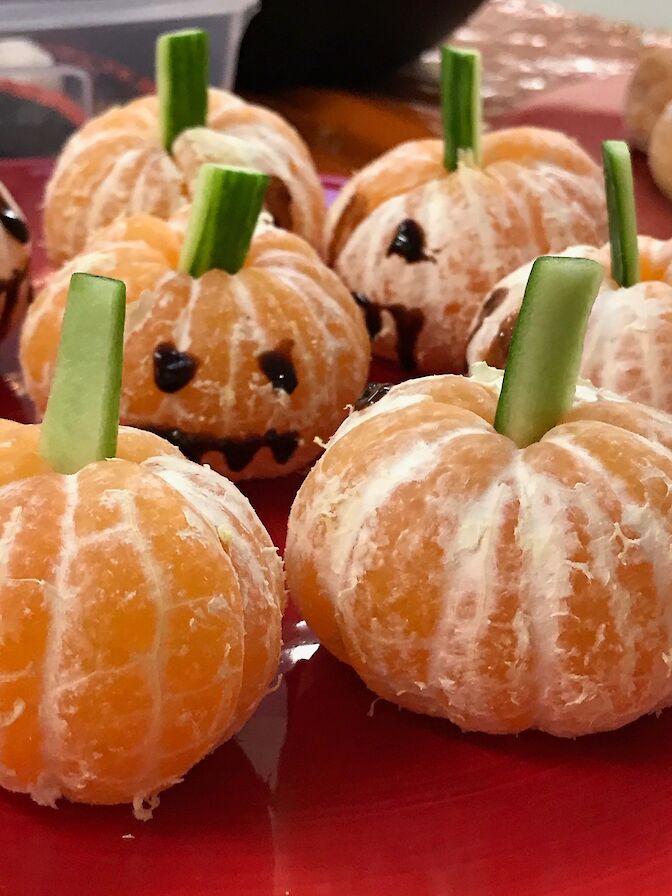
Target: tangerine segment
254	557
498	587
123	655
532	147
143	228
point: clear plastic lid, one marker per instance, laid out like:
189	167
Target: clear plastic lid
47	15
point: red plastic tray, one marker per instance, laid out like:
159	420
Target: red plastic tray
328	791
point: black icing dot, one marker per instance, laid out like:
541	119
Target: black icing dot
173	369
409	242
13	223
278	367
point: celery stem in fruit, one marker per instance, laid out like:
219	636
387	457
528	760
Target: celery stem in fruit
622	213
461	106
81	422
546	347
182	82
227	203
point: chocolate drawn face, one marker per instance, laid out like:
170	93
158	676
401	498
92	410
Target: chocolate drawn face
173	370
408	323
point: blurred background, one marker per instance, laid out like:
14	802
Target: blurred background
342	73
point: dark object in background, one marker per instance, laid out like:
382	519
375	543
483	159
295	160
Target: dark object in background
346	43
41	120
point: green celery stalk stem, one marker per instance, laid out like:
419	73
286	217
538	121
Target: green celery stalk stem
546	347
81	422
227	203
182	82
622	212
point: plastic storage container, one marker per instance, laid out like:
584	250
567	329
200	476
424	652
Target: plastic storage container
62	60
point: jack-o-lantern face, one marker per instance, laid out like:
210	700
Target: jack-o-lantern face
243	371
422	247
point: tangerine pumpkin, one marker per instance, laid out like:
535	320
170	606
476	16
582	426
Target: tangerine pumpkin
116	165
648	112
628	346
140	614
503	586
243	371
140	600
421	239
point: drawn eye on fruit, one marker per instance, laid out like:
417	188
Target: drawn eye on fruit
423	233
141	605
144	157
15	255
241	346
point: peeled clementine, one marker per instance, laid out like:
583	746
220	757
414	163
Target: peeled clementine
116	165
499	587
628	346
140	609
422	247
242	371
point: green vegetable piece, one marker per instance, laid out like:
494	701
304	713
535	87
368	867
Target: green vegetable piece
545	354
226	208
622	212
81	422
182	75
461	106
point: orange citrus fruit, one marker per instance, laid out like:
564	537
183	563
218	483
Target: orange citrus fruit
499	587
628	347
140	611
267	359
648	112
424	246
116	165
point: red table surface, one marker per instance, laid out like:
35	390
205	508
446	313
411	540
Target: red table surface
328	791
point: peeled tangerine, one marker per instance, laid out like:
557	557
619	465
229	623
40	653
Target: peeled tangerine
140	612
116	165
648	112
422	247
241	371
499	587
15	253
628	347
